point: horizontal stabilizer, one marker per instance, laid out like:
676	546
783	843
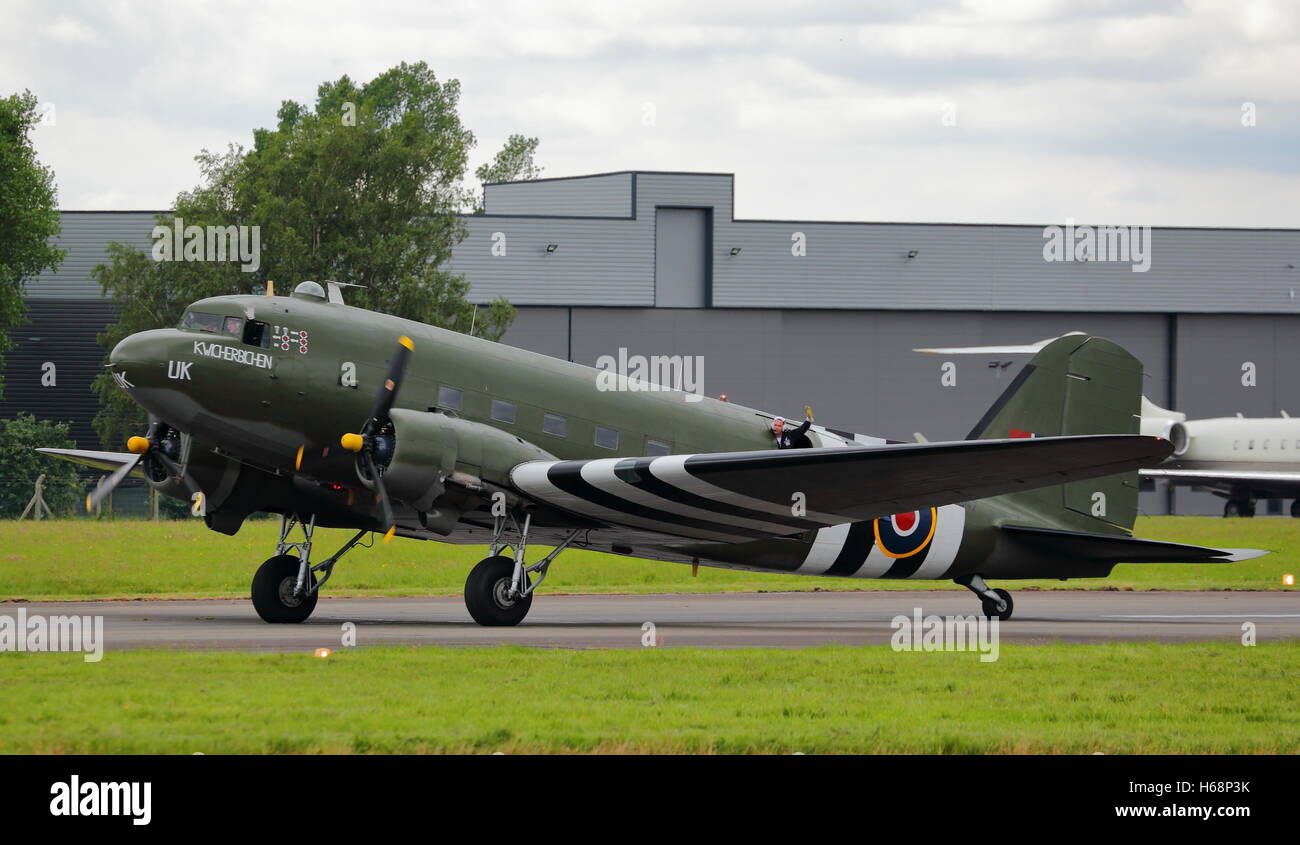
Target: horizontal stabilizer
1116	548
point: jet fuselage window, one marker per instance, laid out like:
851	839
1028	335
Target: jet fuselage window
657	448
606	438
450	398
503	411
554	424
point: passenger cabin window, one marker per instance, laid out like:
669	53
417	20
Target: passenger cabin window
657	448
450	398
554	424
503	411
606	438
197	321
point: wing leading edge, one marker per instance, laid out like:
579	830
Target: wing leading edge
736	496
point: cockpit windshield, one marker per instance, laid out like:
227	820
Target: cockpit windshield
198	321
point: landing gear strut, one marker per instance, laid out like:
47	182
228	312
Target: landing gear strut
285	588
499	590
995	603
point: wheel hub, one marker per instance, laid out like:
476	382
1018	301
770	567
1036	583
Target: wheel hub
288	594
501	594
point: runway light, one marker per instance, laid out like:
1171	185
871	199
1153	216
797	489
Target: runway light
1288	580
322	652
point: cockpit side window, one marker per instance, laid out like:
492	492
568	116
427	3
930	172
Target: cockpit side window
198	321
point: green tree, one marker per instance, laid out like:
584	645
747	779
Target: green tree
21	465
514	162
29	214
364	187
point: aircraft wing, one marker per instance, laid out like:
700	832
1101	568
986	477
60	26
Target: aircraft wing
1225	477
107	461
737	496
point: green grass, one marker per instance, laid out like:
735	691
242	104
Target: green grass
1072	699
84	559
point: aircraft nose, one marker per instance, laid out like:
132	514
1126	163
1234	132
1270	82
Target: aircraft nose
133	349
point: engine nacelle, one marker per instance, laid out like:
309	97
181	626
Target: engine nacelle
1236	439
430	448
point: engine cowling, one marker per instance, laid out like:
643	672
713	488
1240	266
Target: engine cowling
1253	439
430	449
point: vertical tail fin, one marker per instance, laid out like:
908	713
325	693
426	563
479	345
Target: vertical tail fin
1077	384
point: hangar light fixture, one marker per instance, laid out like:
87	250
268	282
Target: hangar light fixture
735	250
913	253
550	248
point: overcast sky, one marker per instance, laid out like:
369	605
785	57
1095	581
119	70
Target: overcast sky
1106	112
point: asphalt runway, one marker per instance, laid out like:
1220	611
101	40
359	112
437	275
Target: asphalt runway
713	620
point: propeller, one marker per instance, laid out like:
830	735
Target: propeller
363	443
147	448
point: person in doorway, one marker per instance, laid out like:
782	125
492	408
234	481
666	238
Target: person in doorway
792	438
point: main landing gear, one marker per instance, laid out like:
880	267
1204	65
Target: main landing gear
996	603
1242	507
499	590
285	587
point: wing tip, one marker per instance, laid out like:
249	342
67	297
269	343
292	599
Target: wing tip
1236	555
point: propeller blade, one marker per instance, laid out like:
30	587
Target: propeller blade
99	493
387	394
382	492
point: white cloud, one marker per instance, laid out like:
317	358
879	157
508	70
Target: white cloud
70	30
1114	110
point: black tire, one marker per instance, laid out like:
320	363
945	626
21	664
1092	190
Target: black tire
485	593
273	591
991	608
1295	508
1239	507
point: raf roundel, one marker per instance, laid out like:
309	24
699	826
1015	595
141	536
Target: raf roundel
906	534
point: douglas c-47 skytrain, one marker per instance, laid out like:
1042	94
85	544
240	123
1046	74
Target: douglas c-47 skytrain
335	416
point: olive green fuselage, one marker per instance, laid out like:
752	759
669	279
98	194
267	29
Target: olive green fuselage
250	406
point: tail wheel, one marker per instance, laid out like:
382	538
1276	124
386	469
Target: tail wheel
991	607
1295	508
487	593
273	591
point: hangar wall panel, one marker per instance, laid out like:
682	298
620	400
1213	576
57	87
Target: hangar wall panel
61	332
599	262
86	235
604	195
866	265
